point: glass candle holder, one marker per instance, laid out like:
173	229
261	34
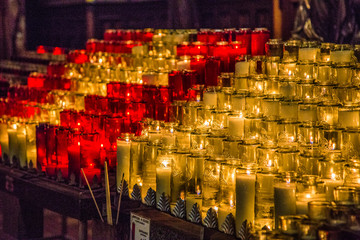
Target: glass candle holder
352	175
238	100
182	135
210	97
257	66
163	175
272	87
137	152
178	176
245	196
350	150
308	135
308	189
236	126
348	96
227	191
259	36
307	229
288	88
219	122
266	158
289	110
62	165
149	166
13	141
4	139
289	224
31	155
21	140
231	149
269	132
243	35
328	114
264	200
287	134
123	160
198	141
197	63
215	147
224	99
341	74
242	66
248	152
212	71
256	85
331	139
194	182
211	185
318	210
190	115
308	163
338	214
349	117
272	66
284	198
291	50
240	83
324	74
252	127
253	106
288	160
307	113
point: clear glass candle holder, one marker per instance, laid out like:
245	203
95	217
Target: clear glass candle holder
348	96
350	149
215	146
308	163
252	128
318	210
272	66
289	110
332	174
328	114
337	215
238	101
240	83
164	163
253	106
345	195
288	88
266	158
291	50
272	87
287	134
224	99
271	108
287	69
231	149
269	133
349	117
288	160
289	224
227	191
256	85
331	139
198	141
236	125
308	134
307	229
307	113
324	74
178	176
248	152
257	66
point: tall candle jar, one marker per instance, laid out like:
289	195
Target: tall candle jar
227	191
309	53
21	140
164	164
190	114
264	200
332	174
31	153
137	151
169	137
13	140
4	139
211	184
245	196
284	196
178	176
219	122
210	97
62	167
272	66
194	181
149	166
341	57
224	98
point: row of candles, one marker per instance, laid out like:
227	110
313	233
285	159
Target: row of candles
226	143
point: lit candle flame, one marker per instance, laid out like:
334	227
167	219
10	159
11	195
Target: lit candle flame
198	191
333	176
165	163
216	209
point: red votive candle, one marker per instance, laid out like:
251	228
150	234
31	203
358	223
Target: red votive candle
215	36
199	48
243	37
62	152
41	132
162	111
183	49
176	83
189	79
258	39
212	71
222	51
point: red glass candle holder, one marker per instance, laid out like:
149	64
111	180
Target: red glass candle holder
148	34
229	34
176	83
62	152
73	149
137	111
222	51
77	56
41	132
51	151
199	48
202	35
189	79
198	64
36	80
109	46
113	89
90	102
236	49
116	106
109	34
149	94
114	126
162	112
183	49
215	36
243	37
56	69
164	94
101	105
212	71
65	118
258	39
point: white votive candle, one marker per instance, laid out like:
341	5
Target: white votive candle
236	125
284	199
123	161
163	176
